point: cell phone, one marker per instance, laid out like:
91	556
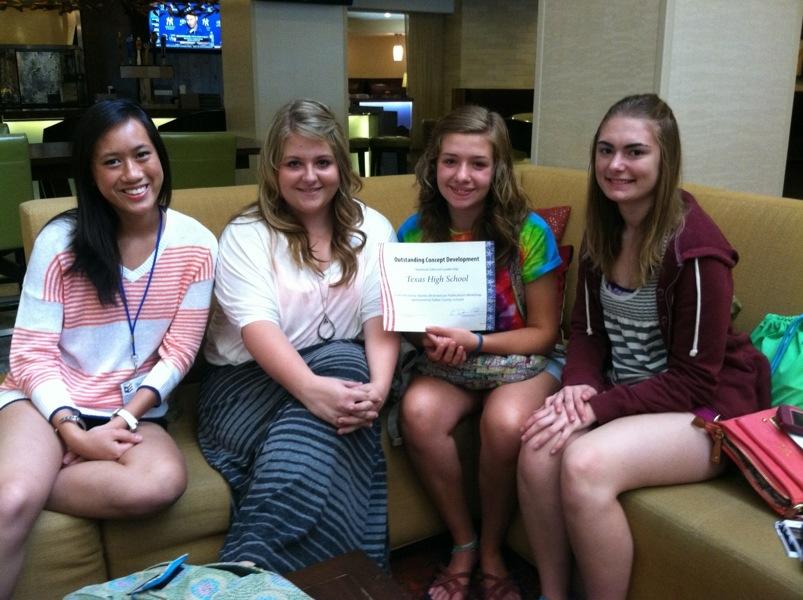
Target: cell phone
790	418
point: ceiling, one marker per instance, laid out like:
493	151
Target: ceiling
375	23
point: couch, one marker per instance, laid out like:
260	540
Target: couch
706	540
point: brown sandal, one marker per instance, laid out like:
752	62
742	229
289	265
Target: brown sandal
454	584
493	587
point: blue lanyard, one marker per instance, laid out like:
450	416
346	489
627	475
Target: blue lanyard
133	325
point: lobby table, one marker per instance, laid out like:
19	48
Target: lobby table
51	163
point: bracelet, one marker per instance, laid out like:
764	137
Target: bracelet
74	418
480	340
130	420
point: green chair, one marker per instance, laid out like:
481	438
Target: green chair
15	188
201	159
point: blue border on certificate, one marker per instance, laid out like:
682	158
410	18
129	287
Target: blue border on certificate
490	268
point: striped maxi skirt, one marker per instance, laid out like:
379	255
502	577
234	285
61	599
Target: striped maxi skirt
300	492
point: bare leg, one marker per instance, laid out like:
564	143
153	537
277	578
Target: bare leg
430	411
506	408
30	458
625	454
542	511
147	478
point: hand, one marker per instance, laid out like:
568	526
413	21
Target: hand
367	411
547	424
105	442
331	399
448	345
572	399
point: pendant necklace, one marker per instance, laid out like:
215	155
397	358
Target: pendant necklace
326	329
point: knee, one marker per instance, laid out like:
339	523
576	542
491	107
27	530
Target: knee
583	480
348	361
161	486
500	430
20	501
418	416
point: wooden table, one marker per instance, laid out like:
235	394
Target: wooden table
51	163
351	576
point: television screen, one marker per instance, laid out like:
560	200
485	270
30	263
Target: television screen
191	25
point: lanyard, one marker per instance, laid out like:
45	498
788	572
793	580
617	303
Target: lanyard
133	325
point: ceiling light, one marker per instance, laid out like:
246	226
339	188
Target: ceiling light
398	50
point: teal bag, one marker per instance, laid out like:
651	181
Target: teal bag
179	581
780	339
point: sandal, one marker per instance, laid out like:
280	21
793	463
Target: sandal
456	585
493	587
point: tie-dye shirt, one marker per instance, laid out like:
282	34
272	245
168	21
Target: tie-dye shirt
538	255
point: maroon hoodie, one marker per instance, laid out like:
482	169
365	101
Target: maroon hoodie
708	364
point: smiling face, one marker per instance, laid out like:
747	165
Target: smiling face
307	175
627	161
127	170
465	170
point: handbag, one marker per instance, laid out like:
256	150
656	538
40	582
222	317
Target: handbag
780	339
178	580
767	457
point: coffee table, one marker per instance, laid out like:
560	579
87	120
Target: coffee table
351	576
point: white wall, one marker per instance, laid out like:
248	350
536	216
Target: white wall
726	68
298	50
728	71
588	55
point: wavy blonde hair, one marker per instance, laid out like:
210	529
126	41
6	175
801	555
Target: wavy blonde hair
505	205
604	223
314	120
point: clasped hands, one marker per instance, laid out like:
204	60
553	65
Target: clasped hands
563	413
104	442
346	405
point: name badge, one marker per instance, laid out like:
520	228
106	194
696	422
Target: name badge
130	387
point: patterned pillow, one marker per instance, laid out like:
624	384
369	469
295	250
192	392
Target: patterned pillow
556	217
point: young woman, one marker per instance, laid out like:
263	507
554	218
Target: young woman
289	414
112	313
468	192
651	347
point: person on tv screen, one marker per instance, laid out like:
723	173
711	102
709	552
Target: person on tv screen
192	26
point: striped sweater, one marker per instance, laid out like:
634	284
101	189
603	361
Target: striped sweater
69	350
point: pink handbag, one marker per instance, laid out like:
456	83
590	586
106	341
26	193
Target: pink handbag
766	456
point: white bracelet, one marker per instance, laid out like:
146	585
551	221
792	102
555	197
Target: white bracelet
130	420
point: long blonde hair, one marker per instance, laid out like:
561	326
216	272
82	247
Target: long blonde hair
505	206
314	120
604	223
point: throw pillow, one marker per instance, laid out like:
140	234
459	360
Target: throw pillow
557	217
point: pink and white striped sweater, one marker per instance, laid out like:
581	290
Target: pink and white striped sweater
69	350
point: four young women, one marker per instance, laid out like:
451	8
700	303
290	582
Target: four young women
300	365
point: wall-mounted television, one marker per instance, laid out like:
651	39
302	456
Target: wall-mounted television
186	25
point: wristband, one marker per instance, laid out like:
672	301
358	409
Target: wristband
130	420
73	418
480	340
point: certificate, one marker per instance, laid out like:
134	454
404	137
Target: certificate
451	284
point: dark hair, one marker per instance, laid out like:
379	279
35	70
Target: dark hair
506	204
94	242
604	223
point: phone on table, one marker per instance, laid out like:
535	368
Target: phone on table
790	418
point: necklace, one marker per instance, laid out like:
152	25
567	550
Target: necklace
326	329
